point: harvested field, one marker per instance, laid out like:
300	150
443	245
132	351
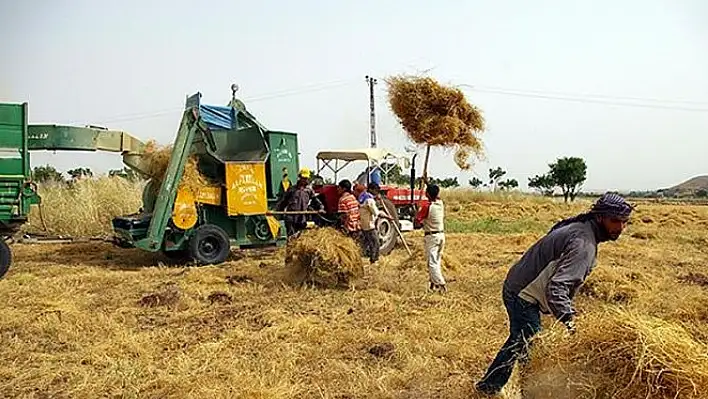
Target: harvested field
93	320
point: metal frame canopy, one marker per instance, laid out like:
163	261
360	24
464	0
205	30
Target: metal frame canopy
377	157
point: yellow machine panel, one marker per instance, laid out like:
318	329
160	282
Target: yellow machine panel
184	213
246	188
209	195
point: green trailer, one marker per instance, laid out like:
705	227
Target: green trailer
17	138
17	192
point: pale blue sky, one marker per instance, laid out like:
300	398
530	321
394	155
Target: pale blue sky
129	65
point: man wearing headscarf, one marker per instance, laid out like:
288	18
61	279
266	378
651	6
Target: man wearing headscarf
547	277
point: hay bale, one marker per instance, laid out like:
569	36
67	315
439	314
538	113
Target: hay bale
325	257
157	159
619	353
435	115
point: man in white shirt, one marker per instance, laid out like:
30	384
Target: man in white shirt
432	217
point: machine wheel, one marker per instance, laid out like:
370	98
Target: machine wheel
5	257
209	245
387	231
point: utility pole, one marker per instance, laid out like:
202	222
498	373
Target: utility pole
371	81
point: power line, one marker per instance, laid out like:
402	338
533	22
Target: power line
567	94
582	100
272	95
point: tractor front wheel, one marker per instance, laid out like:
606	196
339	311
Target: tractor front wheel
210	245
5	257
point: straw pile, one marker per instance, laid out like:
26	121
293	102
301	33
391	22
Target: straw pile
157	159
435	115
324	257
619	354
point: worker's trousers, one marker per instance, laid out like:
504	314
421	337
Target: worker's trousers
524	323
371	245
434	245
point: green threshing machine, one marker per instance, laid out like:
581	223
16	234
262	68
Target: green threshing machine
241	159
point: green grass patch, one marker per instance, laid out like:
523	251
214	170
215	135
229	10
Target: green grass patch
491	225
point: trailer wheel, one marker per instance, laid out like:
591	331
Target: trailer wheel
210	245
387	231
5	257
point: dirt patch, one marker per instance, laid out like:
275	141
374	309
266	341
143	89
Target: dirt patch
236	279
219	297
384	350
168	297
643	235
695	278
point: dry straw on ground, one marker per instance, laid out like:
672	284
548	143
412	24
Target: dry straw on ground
436	115
94	320
618	353
157	160
324	257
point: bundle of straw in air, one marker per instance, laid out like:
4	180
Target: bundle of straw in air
156	160
325	257
435	115
619	354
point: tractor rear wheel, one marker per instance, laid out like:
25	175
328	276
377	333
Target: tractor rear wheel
210	245
5	257
387	231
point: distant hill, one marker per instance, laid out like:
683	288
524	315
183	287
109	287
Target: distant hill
694	184
696	187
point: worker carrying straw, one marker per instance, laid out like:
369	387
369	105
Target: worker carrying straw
547	277
432	217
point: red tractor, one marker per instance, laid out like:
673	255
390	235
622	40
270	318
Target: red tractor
400	203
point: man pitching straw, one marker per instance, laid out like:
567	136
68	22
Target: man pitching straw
432	217
547	277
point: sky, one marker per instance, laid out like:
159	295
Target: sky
623	85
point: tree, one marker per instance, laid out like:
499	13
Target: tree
494	176
445	183
79	173
125	173
395	176
508	184
46	173
544	184
569	173
702	193
476	182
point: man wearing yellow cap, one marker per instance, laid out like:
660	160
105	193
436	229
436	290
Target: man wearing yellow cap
297	199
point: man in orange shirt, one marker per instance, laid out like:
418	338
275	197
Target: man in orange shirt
348	207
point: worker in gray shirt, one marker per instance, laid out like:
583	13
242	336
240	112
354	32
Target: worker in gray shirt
547	277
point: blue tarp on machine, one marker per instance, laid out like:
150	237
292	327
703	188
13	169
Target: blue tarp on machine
217	116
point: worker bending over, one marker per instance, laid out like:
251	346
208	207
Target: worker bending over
297	198
432	217
547	277
370	214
